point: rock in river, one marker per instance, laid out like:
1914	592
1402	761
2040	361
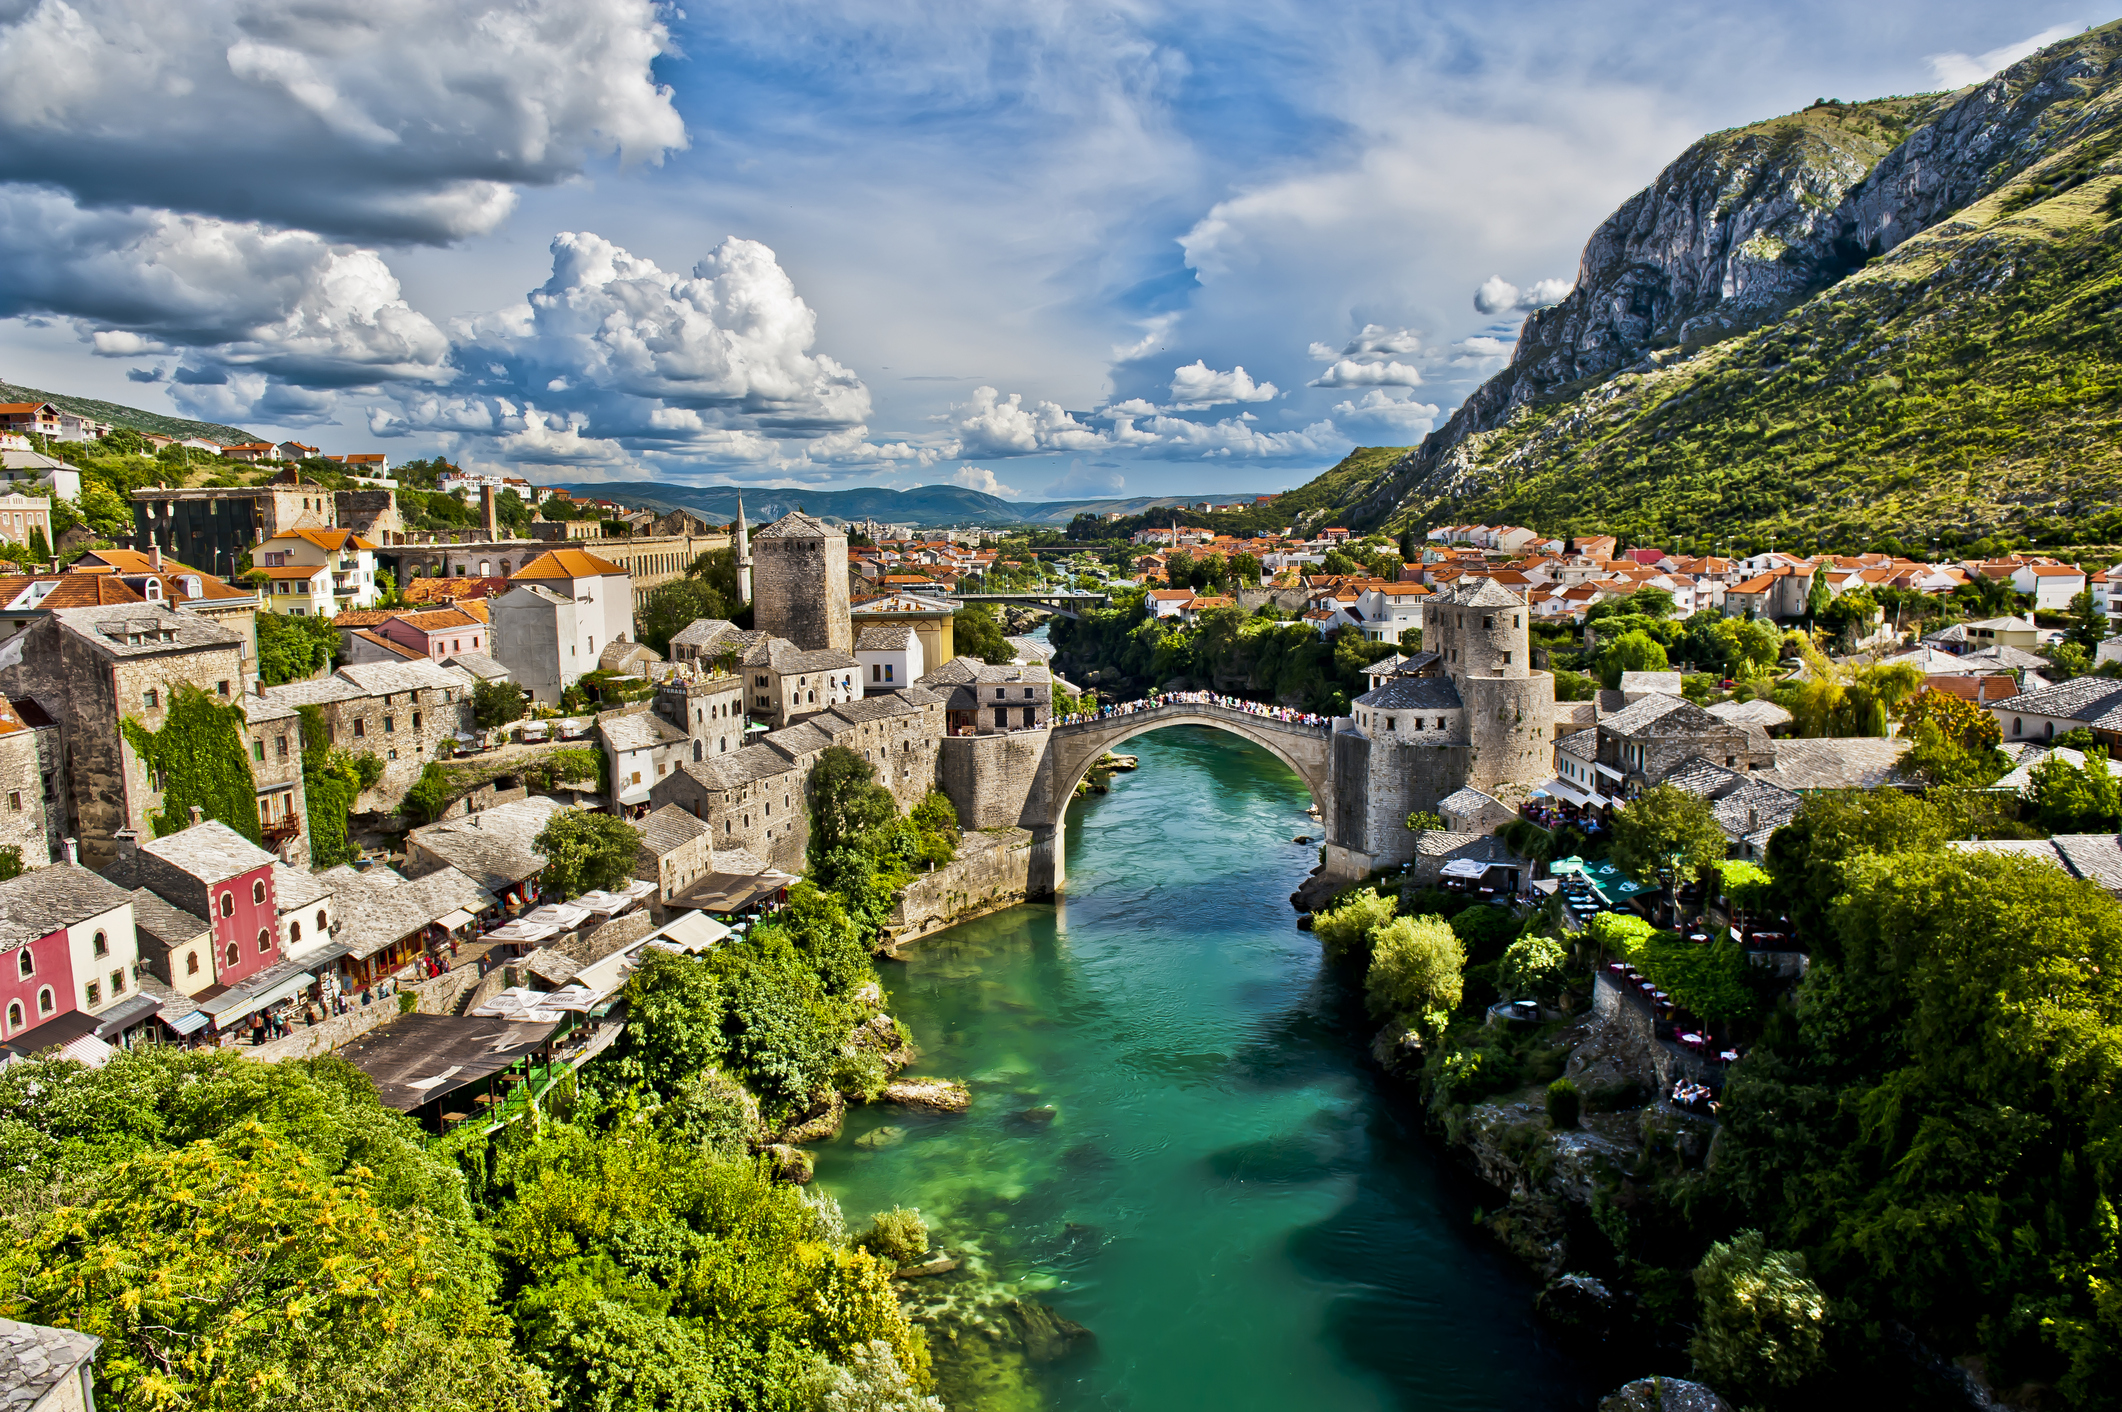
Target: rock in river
1042	1115
1664	1395
880	1137
941	1095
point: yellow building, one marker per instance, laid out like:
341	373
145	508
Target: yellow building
317	572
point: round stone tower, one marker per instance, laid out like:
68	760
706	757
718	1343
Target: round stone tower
799	583
1510	708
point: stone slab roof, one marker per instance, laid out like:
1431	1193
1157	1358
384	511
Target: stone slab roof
796	525
872	708
43	900
297	887
798	740
377	678
739	767
785	657
2095	857
1662	715
703	631
160	920
884	637
258	710
378	907
493	846
35	1359
480	665
1579	745
2095	701
1857	763
640	731
211	852
1765	714
143	630
1412	693
1466	801
668	829
2021	777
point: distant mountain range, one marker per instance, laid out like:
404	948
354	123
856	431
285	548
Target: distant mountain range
120	415
928	505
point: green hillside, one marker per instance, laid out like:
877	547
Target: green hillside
117	414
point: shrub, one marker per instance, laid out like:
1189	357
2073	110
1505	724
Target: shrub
1345	932
1415	972
1563	1105
1762	1322
1532	965
898	1236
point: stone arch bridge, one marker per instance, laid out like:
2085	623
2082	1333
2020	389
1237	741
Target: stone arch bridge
1071	750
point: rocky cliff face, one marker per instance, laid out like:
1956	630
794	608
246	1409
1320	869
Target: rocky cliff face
1748	224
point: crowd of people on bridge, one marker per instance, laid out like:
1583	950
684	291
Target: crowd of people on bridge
1196	698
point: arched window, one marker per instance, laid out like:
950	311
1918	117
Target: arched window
191	963
294	932
28	964
14	1016
322	925
44	1001
699	750
102	944
235	955
228	904
258	891
265	940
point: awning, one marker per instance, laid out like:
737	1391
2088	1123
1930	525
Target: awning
450	921
522	930
123	1016
694	931
269	989
1467	868
190	1022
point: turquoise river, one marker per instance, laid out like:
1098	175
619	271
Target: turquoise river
1175	1139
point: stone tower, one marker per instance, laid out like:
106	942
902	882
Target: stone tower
1510	708
799	584
744	557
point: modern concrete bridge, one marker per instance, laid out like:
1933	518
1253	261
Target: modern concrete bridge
1067	605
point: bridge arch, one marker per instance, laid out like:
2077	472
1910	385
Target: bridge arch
1073	748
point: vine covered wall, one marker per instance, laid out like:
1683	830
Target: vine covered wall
199	757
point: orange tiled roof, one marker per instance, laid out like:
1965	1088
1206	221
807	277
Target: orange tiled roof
71	590
567	564
398	647
438	620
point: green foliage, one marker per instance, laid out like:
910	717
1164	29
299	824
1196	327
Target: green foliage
1634	651
846	802
2069	798
1747	886
1574	686
294	649
200	758
584	852
718	570
675	606
1532	966
105	511
937	820
1762	1323
497	703
1620	933
430	794
1345	931
899	1237
1414	976
1667	829
1830	828
1563	1104
976	632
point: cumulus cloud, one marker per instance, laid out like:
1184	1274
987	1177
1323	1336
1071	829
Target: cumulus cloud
1482	345
1236	436
1497	295
1406	421
1349	373
1374	342
981	479
1198	385
991	425
1133	407
1960	70
1086	483
400	120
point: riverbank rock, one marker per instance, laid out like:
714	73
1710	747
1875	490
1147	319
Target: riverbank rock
1315	891
884	1035
821	1122
1583	1310
790	1164
1398	1052
1044	1114
1664	1395
886	1136
937	1095
936	1264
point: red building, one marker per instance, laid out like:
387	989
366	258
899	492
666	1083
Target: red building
36	983
214	872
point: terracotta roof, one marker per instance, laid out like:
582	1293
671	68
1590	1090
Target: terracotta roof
453	590
567	564
294	571
437	620
364	617
68	591
379	640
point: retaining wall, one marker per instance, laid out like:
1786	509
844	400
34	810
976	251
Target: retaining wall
992	871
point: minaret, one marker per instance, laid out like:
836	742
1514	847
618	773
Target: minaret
744	556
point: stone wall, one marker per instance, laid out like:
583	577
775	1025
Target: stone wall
1508	723
22	801
992	871
404	729
1630	1019
994	780
799	590
436	996
372	514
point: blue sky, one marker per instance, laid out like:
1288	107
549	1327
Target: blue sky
1042	249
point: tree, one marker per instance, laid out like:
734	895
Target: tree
1818	598
1345	931
40	548
294	649
1832	828
718	570
1651	601
1245	571
2069	798
1179	568
976	633
1762	1322
1634	651
675	606
584	852
1415	973
1338	564
106	513
846	802
2088	625
1664	822
1532	965
1750	646
497	702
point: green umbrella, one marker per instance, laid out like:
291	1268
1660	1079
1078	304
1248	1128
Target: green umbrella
1571	864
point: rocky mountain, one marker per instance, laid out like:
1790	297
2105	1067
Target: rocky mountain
1883	321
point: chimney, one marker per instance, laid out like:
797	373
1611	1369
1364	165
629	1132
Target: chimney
198	815
73	852
128	841
154	556
486	513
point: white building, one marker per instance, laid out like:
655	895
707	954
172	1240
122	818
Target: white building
561	610
890	656
2052	585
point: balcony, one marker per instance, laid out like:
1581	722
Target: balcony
280	831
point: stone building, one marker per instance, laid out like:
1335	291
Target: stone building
890	655
799	584
273	735
91	668
1642	743
216	526
68	946
1467	712
640	747
785	683
674	852
32	782
160	578
176	947
494	847
750	799
401	712
211	871
707	706
979	698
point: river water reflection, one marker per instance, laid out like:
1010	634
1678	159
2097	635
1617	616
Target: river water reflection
1174	1139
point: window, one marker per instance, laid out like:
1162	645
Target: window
360	727
416	720
95	994
228	904
14	801
390	725
191	963
258	891
265	940
14	1016
280	747
637	777
390	754
46	1001
27	965
221	687
1506	659
102	945
151	697
235	956
258	750
117	983
321	924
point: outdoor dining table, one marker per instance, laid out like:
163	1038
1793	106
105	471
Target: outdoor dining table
1729	1055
